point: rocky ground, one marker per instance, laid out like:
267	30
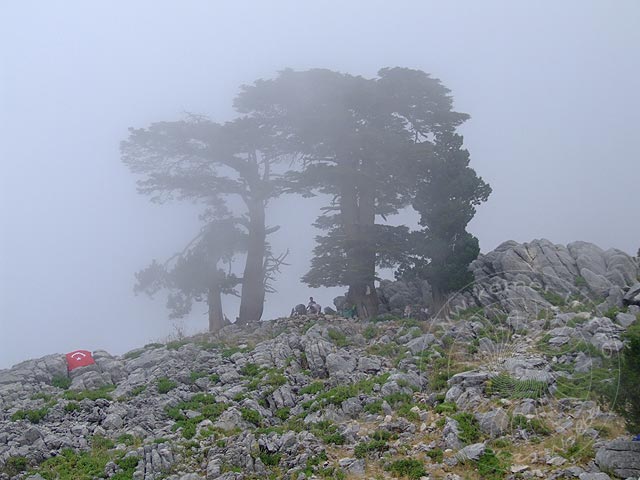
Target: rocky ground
480	393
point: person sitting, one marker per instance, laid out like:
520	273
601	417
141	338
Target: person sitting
313	308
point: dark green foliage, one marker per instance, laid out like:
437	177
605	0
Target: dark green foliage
373	407
328	432
338	337
34	416
491	467
407	468
165	385
446	200
282	413
193	376
437	455
70	465
61	381
138	390
126	438
15	465
71	407
250	370
626	401
102	392
533	425
270	459
469	427
446	407
360	140
363	449
250	415
100	442
553	298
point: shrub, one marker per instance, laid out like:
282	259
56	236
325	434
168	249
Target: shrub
102	392
282	413
469	427
627	403
437	455
193	376
138	390
339	338
15	465
312	388
34	416
250	370
407	467
374	407
250	415
165	385
270	459
71	407
364	448
446	407
490	467
61	381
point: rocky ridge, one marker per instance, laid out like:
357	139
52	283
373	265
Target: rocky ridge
487	391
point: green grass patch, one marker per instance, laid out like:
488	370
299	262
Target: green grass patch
61	381
165	385
407	468
34	416
102	392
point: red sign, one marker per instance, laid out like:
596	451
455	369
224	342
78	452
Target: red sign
79	358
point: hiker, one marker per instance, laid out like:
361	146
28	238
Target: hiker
313	308
408	311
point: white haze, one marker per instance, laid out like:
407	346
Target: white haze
552	88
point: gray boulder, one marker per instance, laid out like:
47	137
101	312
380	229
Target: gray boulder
622	457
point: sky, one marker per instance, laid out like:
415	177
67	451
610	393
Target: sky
551	87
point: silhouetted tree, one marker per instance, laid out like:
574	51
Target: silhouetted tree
446	199
195	274
201	160
358	140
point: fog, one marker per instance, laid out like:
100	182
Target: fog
551	87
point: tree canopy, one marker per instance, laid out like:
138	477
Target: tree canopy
362	142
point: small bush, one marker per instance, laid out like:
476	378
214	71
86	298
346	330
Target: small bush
71	407
250	415
312	388
408	467
61	381
446	408
34	416
374	407
339	338
282	413
165	385
270	459
490	467
437	455
138	390
102	392
15	465
250	370
469	427
364	448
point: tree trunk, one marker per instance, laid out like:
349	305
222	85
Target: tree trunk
216	317
253	290
358	216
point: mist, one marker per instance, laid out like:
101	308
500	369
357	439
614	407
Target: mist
551	89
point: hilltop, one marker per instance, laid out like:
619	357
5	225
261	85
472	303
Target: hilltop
504	382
